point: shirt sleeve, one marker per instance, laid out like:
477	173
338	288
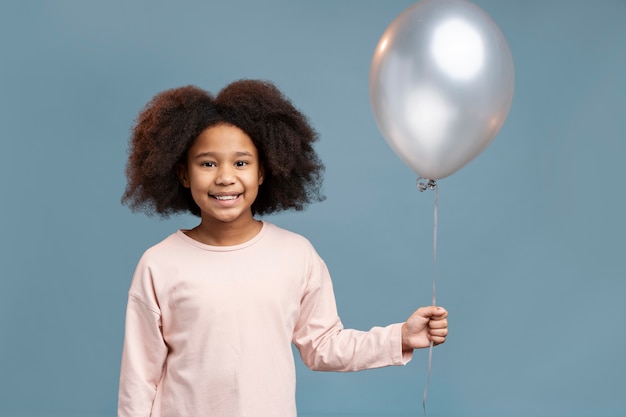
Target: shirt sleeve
144	351
325	345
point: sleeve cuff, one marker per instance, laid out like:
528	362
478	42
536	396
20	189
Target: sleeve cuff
400	357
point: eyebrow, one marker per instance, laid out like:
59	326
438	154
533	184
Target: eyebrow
215	154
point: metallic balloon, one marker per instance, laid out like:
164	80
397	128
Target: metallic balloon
441	85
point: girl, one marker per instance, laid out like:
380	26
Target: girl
212	311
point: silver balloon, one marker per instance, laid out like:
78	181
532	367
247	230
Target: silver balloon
441	85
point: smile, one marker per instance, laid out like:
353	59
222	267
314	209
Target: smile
226	197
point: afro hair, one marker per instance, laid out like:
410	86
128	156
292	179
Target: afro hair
169	124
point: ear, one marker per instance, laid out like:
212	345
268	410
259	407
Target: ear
183	177
261	175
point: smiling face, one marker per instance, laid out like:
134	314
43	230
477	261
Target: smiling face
223	173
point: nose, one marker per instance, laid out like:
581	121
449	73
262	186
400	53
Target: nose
225	175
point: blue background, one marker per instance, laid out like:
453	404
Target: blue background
531	263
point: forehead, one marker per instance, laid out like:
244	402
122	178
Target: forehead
223	139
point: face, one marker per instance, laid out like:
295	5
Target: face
223	173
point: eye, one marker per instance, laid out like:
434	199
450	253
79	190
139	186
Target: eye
241	163
208	164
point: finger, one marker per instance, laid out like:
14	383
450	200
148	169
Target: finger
438	332
437	340
438	324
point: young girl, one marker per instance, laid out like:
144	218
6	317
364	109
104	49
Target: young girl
212	311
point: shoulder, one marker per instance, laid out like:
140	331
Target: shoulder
161	263
294	254
289	247
164	251
285	238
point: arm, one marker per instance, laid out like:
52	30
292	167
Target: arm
325	345
143	358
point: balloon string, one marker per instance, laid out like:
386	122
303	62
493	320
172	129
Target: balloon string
431	185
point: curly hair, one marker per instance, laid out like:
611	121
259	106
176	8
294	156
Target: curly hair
169	124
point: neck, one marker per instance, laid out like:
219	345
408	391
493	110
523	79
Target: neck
225	233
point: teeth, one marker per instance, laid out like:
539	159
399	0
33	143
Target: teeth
225	197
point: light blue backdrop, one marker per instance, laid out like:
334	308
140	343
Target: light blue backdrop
532	261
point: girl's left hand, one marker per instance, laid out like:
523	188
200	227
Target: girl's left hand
426	324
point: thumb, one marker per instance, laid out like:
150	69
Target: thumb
432	312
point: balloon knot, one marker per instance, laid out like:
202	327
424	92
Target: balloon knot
428	185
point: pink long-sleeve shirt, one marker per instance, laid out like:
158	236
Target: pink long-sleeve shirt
209	328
